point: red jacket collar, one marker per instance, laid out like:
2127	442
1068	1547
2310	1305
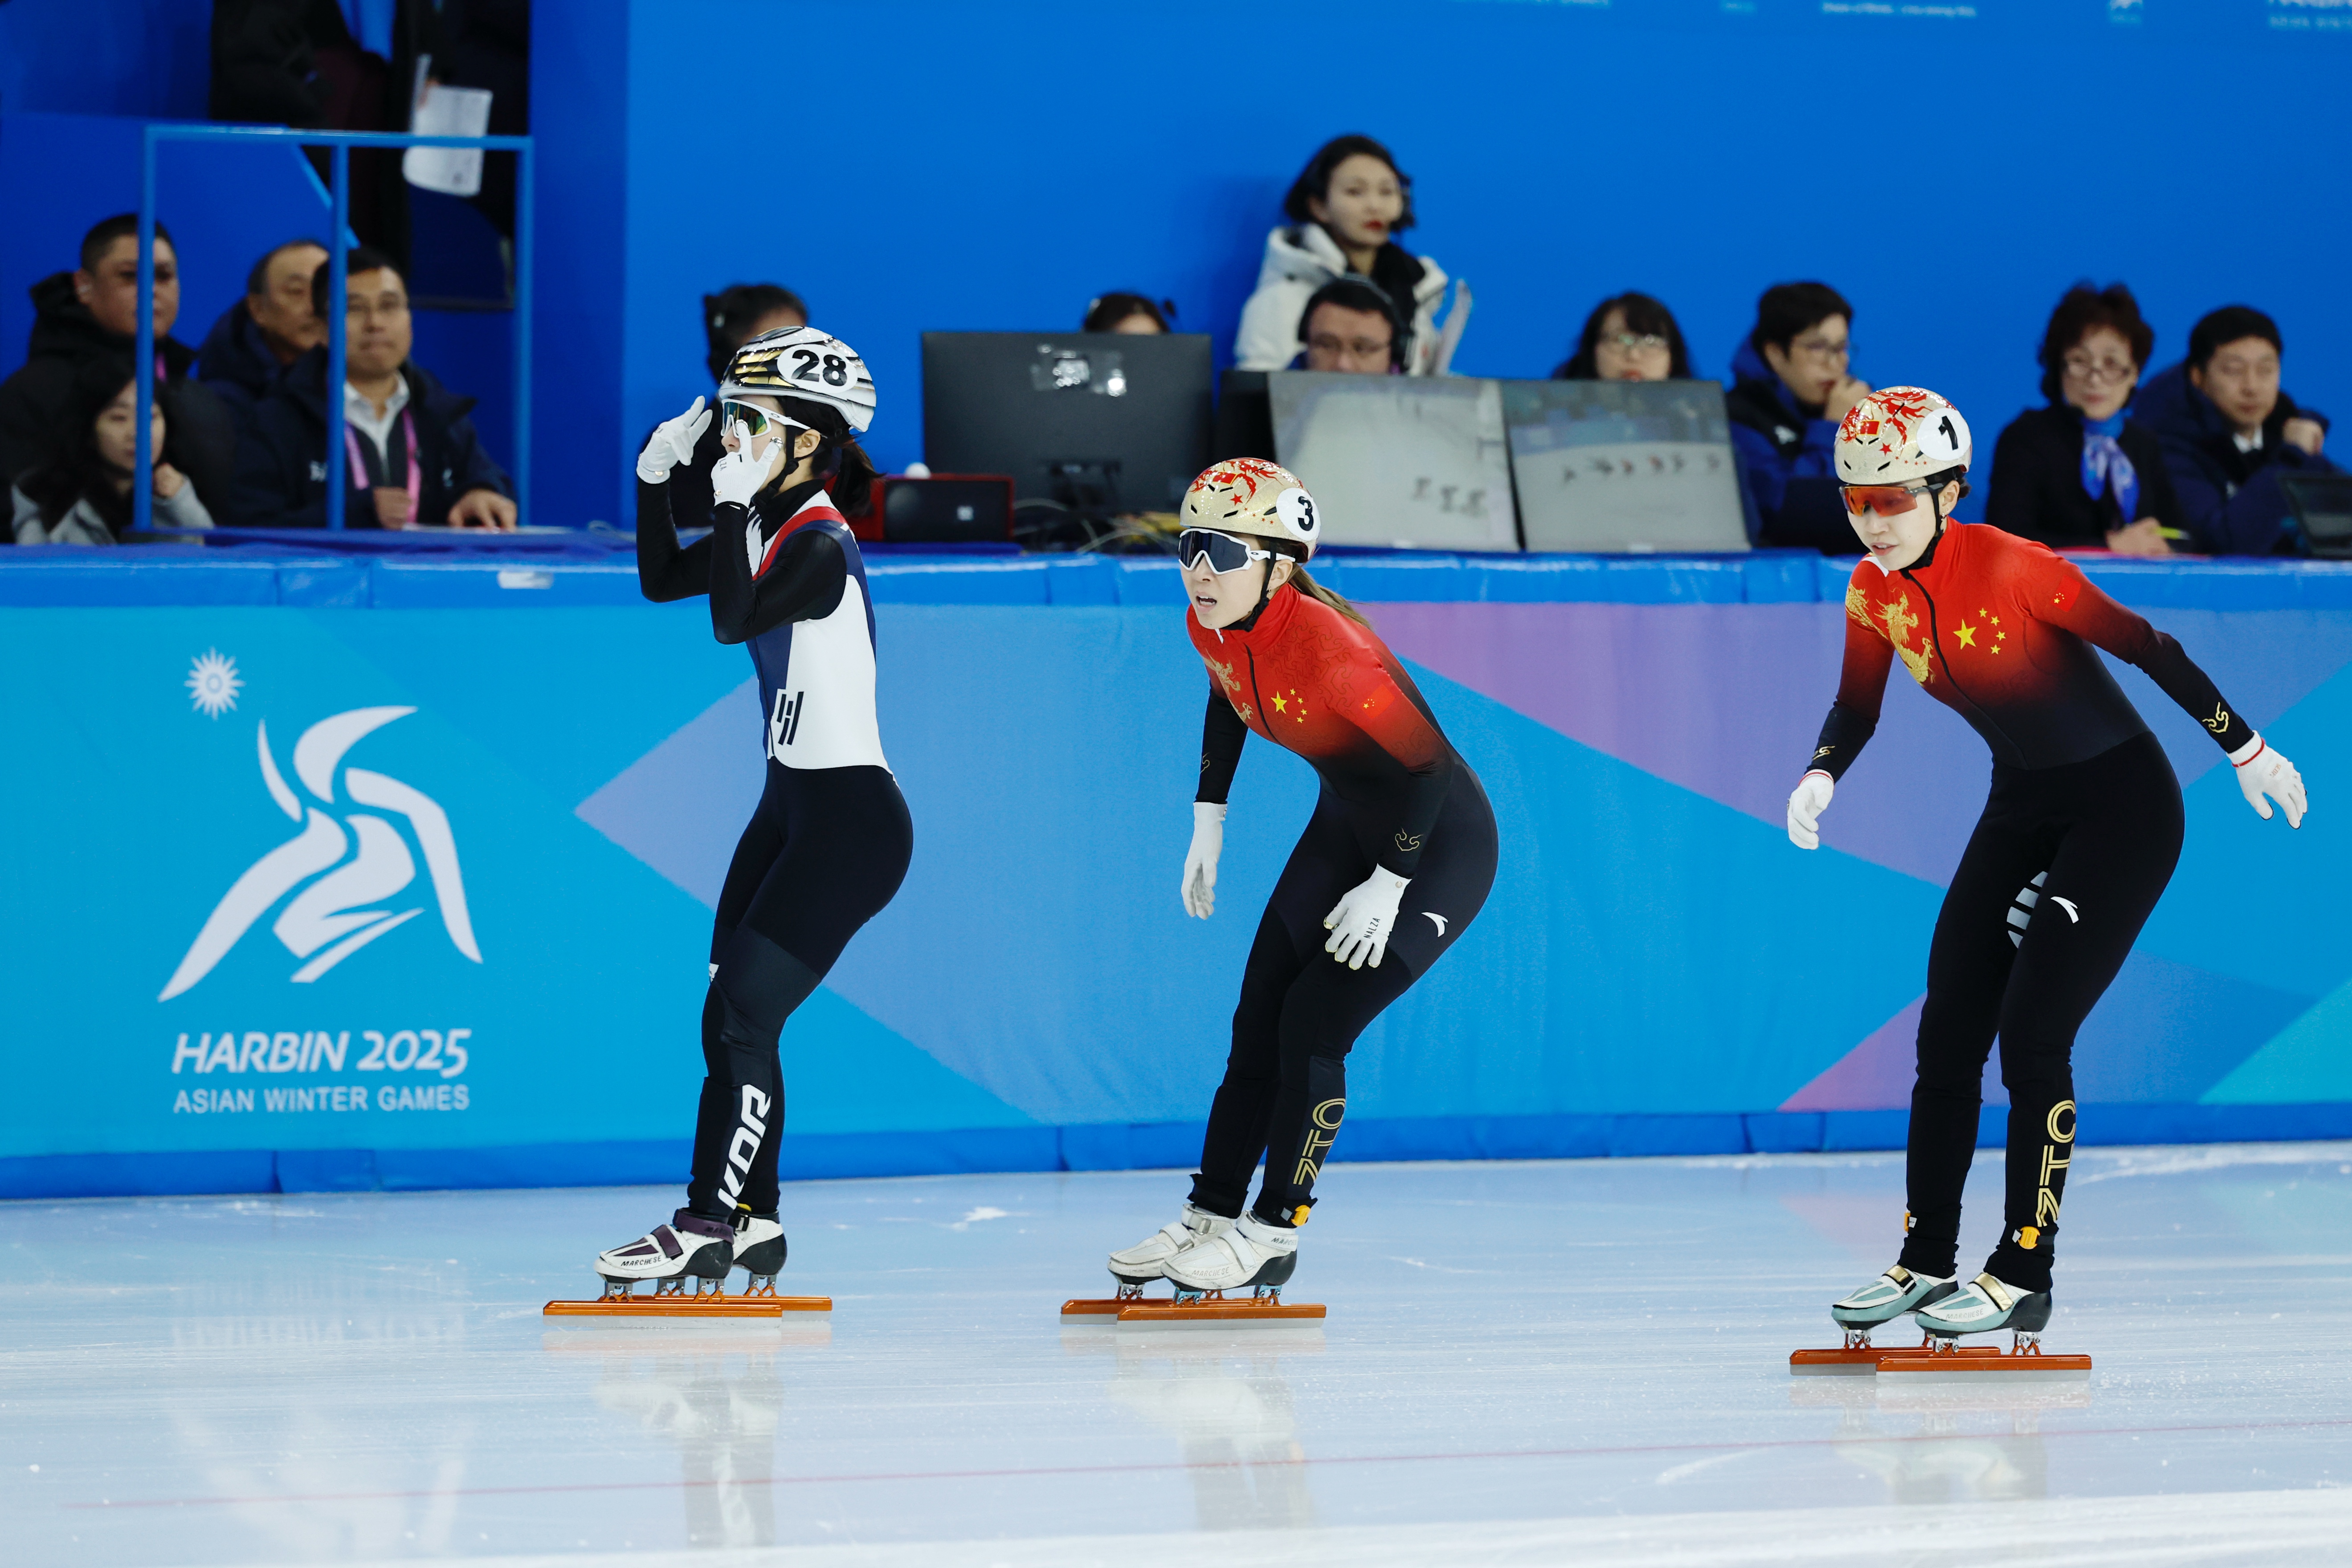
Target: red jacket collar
1265	631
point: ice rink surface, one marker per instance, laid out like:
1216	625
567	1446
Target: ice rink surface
1581	1361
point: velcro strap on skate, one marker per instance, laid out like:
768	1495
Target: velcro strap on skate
1996	1291
1900	1275
666	1239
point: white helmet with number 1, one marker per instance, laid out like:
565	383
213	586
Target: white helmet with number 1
1898	435
803	362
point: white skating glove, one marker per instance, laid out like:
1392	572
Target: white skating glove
1199	888
1811	798
1360	923
737	476
2262	772
672	446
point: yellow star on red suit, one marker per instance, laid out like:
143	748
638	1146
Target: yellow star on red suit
1967	634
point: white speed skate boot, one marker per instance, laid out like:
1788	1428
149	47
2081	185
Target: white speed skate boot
1250	1255
1886	1299
689	1247
1145	1261
760	1250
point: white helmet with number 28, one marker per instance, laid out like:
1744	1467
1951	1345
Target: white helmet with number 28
803	362
1899	433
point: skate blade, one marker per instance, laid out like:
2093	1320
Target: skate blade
1212	1313
707	1306
1988	1364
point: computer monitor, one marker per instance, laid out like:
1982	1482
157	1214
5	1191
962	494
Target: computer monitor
1415	462
1102	423
2323	504
1624	466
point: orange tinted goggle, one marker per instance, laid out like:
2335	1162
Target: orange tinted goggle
1886	501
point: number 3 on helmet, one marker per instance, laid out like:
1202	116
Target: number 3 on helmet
1253	497
1900	434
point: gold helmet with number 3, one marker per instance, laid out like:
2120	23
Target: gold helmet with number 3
1251	496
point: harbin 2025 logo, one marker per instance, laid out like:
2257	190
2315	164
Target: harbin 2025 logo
336	883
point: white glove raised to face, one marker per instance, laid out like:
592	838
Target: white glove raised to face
1811	798
1199	888
1360	923
2263	771
737	476
672	446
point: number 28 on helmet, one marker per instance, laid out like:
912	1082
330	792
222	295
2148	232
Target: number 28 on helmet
1893	439
803	364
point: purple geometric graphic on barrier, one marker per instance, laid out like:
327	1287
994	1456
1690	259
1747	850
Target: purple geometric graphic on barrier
1875	1076
681	806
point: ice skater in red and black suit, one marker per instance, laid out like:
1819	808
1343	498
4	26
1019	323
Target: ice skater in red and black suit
2077	841
1394	864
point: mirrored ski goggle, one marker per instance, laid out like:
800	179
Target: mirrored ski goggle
1886	501
1226	553
755	420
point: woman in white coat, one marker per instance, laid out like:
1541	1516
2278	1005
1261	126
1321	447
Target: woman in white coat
1346	208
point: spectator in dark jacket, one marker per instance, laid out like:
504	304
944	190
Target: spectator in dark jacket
411	454
92	314
2080	475
274	325
1789	388
2229	432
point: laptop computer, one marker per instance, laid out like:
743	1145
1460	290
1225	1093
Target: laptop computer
1624	466
1415	463
2323	504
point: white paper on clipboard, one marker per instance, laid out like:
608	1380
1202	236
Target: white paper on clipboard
1449	337
448	112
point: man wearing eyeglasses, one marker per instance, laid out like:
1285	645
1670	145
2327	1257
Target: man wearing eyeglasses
1791	386
1351	325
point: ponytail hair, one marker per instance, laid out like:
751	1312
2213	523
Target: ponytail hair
841	462
1316	590
852	483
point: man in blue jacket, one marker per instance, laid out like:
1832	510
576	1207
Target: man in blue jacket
1790	389
274	325
411	455
2229	432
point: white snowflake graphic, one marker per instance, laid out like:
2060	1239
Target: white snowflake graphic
213	683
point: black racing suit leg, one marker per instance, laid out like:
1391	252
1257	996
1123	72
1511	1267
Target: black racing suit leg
1302	1010
2124	827
841	842
1968	962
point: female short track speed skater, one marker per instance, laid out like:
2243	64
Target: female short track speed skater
2078	838
1393	866
829	843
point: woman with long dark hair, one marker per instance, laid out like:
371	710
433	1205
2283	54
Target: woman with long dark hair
1345	209
81	495
829	843
1628	337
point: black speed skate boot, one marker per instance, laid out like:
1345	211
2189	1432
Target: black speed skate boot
1886	1299
760	1250
689	1247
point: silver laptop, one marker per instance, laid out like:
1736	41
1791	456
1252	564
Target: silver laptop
1411	462
1624	466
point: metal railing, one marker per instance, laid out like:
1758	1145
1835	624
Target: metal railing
340	200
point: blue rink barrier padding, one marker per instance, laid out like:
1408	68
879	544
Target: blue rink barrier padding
340	877
1107	1146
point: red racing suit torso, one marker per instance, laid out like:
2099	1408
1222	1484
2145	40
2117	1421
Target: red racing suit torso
2001	631
1316	683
